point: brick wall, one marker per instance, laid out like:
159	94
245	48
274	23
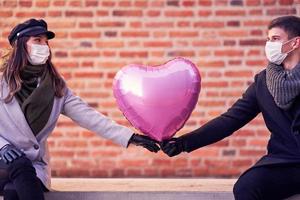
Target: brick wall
94	39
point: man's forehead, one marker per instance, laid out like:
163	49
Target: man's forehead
276	31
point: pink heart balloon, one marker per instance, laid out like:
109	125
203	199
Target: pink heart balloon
158	100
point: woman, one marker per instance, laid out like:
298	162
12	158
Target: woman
33	95
276	94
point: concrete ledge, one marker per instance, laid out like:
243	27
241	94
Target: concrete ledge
146	189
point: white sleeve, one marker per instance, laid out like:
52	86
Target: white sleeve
3	142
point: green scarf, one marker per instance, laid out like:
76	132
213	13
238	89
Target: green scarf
36	97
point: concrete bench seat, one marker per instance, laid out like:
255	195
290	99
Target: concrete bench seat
146	189
142	188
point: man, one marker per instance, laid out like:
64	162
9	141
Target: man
276	94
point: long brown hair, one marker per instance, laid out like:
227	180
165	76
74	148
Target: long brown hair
16	61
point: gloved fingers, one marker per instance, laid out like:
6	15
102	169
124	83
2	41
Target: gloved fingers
167	142
8	158
148	138
12	154
172	152
168	146
152	148
17	152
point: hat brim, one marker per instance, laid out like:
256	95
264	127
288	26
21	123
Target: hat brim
49	34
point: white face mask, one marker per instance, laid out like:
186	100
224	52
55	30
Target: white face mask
273	52
39	54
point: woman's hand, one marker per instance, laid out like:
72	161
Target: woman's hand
144	141
9	153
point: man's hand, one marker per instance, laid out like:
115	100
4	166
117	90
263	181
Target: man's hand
172	147
144	141
9	153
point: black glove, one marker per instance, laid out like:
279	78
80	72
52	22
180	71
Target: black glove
144	141
172	147
9	153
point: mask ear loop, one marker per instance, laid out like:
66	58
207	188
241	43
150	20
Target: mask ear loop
292	45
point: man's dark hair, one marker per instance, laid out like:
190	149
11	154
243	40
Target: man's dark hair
290	24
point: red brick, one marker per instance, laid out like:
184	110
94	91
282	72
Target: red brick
102	13
85	34
159	24
253	2
282	11
25	3
179	13
211	64
233	33
79	13
205	2
286	2
91	3
9	4
110	24
157	44
256	12
183	34
110	44
188	3
127	13
75	3
252	42
269	2
252	152
230	12
209	24
262	23
89	74
204	13
141	54
228	52
239	73
108	3
134	172
153	13
124	3
141	3
135	34
6	13
54	13
241	163
28	14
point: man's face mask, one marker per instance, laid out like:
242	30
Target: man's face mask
274	53
39	54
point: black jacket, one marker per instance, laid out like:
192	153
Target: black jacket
284	126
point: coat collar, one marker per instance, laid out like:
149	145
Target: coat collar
15	113
275	112
296	114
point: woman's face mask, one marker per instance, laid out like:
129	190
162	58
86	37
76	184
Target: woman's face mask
38	54
274	53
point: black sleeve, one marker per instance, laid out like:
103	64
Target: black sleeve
242	112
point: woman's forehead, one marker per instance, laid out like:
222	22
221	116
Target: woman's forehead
42	36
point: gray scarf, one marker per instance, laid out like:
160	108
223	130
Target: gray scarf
284	85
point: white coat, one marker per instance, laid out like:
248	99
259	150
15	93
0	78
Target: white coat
15	130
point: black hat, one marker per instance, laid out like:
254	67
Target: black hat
31	27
